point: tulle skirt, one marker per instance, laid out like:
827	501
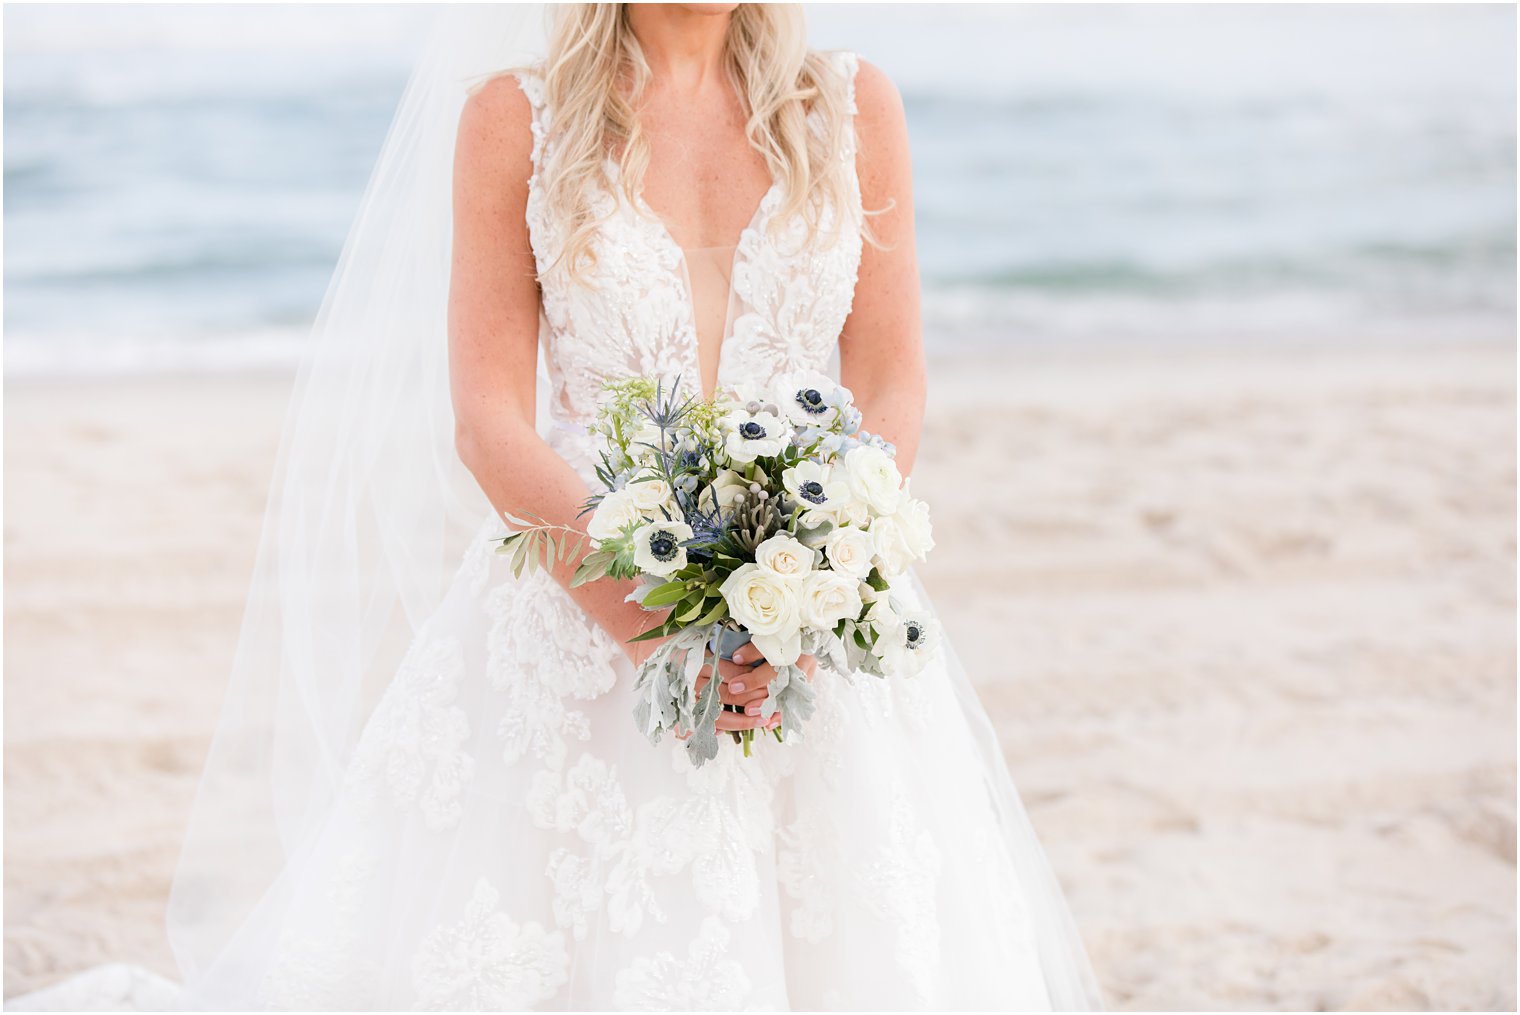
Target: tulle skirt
505	838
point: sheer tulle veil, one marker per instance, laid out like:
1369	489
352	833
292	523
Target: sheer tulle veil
368	512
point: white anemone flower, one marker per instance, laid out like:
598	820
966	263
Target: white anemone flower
908	647
759	434
815	487
809	398
657	548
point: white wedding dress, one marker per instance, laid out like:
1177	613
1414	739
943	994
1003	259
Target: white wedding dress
505	838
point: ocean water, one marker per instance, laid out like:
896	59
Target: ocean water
179	180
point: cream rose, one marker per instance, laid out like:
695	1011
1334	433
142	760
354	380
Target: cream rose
827	598
767	605
873	478
783	555
850	550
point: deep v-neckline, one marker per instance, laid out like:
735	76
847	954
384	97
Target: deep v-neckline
683	275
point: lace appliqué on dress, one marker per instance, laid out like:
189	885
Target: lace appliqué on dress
413	746
487	961
544	651
706	978
900	884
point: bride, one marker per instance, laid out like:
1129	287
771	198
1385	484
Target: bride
427	790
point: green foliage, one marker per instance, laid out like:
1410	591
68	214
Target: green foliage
536	544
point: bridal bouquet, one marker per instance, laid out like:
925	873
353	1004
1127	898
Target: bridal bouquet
764	516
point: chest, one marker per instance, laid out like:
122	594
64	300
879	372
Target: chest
704	178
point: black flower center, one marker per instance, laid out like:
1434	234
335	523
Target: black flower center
811	400
812	490
915	634
752	431
663	545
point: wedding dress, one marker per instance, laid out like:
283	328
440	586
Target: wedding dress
502	836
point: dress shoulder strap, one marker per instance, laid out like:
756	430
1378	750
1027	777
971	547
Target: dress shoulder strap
532	86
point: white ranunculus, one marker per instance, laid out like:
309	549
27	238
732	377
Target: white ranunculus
850	551
782	554
767	605
657	547
752	435
873	478
907	647
828	598
726	489
616	510
809	398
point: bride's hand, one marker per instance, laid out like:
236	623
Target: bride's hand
765	673
746	686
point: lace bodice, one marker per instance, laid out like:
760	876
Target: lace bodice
633	311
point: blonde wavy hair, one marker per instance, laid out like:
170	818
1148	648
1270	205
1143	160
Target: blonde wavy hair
594	78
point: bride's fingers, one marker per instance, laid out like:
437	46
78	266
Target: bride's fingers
727	695
732	722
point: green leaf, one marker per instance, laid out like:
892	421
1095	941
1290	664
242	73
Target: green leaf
876	581
520	555
658	631
690	612
664	595
718	611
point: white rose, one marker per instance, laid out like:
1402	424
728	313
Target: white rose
616	510
913	527
766	604
850	550
657	547
828	598
892	556
651	494
754	435
782	554
873	478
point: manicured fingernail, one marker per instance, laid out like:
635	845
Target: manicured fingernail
740	657
736	686
775	721
751	709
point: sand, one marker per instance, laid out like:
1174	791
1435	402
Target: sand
1245	624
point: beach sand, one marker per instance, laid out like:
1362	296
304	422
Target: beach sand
1245	624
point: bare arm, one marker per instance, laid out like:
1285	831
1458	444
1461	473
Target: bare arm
493	344
881	354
